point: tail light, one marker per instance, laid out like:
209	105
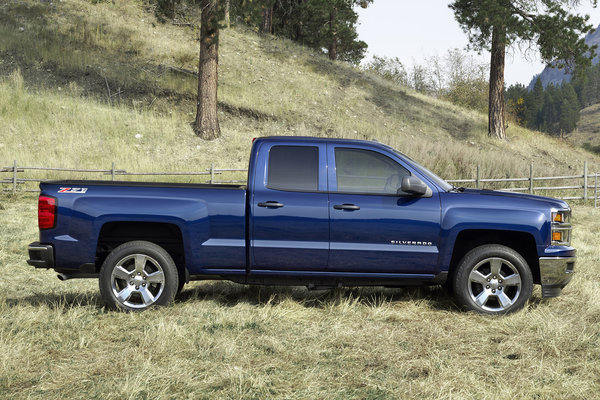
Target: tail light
46	212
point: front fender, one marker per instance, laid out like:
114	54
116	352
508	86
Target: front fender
458	219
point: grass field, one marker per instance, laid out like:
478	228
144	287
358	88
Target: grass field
224	340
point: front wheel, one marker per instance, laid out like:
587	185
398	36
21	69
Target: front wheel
138	275
493	279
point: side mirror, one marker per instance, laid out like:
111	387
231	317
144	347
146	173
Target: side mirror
413	185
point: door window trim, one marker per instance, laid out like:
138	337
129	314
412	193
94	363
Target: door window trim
322	177
333	167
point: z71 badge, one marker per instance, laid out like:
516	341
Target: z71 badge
72	190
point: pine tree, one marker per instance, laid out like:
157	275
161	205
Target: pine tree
550	114
569	109
516	101
320	24
591	91
579	82
547	24
534	105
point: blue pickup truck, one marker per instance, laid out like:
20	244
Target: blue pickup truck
315	212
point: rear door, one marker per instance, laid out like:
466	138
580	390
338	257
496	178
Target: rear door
373	227
289	207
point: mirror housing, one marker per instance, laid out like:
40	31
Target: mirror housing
414	185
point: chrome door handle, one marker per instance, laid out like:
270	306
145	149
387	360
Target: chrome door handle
270	204
350	207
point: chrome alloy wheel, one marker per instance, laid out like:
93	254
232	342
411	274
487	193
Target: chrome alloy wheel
494	284
137	281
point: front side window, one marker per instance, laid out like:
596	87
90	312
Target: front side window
293	168
364	171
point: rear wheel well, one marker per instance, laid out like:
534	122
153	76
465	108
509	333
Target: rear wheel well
522	242
167	236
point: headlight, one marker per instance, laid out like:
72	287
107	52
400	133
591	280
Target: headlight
561	227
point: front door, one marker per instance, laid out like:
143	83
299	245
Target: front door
374	228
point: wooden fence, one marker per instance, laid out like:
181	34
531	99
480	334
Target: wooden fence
569	187
16	181
586	182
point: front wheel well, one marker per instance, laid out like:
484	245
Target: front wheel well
522	242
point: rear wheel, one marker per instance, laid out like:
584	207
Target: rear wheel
493	279
138	275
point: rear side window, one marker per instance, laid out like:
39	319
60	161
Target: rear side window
293	168
364	171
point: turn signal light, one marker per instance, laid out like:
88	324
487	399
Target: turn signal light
557	236
46	212
558	217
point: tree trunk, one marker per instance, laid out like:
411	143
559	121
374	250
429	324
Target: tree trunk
266	25
207	124
298	32
333	30
496	127
227	17
171	11
297	24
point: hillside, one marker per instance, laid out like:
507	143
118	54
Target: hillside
56	60
588	128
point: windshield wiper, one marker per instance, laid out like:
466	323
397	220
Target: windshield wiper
458	189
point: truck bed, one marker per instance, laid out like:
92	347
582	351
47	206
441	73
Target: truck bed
209	219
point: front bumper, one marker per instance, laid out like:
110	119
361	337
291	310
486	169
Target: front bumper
41	255
555	274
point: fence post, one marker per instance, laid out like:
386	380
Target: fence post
585	180
212	173
531	178
596	191
15	176
477	177
112	171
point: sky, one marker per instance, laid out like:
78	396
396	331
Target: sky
413	30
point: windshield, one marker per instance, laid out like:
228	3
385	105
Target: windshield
438	181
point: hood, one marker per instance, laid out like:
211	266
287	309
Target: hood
547	201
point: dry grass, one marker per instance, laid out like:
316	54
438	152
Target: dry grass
223	340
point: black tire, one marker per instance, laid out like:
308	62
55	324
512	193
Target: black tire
493	279
138	275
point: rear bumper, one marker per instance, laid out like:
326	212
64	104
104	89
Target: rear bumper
41	255
555	274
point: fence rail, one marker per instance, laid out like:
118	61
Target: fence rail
15	180
589	187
